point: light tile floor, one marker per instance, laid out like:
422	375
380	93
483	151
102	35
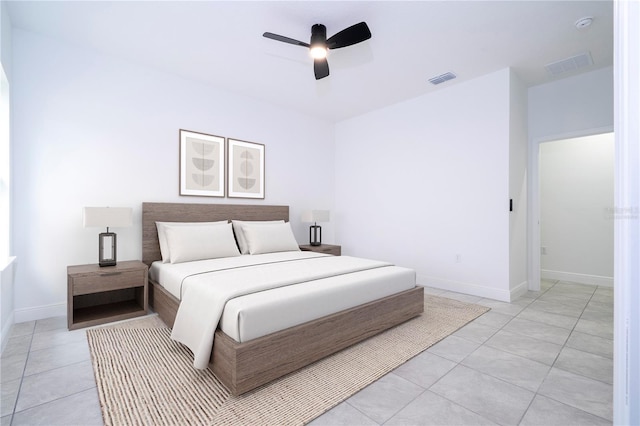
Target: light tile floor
545	359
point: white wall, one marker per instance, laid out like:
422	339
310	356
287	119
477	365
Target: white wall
91	130
425	180
6	264
5	39
576	209
518	149
626	351
570	105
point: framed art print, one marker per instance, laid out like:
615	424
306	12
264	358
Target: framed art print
245	169
202	164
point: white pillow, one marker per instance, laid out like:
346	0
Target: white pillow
238	226
270	239
162	236
187	243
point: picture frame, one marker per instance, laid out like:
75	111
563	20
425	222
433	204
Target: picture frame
202	164
245	169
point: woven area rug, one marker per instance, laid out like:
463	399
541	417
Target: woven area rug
145	378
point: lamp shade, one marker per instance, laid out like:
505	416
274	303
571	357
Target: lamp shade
315	216
109	217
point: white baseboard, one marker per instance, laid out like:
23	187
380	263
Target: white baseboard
519	290
577	278
40	312
7	278
466	288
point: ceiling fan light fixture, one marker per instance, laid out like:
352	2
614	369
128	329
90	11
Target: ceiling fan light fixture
318	52
318	42
319	45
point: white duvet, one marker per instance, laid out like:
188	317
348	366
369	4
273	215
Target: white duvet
204	294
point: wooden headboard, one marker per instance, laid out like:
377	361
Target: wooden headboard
182	212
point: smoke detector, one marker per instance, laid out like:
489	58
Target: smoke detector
583	22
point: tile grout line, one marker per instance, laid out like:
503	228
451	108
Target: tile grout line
564	345
460	363
535	394
554	363
56	399
24	368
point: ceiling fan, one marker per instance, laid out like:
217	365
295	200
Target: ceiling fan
319	44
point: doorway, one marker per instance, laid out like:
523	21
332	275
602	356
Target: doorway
577	225
576	209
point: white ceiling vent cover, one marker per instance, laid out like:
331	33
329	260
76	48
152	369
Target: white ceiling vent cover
442	78
569	64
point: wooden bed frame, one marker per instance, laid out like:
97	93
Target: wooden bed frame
245	366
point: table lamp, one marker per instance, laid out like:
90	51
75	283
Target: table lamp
315	231
106	217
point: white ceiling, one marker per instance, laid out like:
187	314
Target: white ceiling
220	43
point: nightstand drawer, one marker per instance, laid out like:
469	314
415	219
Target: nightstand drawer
107	281
329	250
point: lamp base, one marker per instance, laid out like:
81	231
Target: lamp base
107	249
315	235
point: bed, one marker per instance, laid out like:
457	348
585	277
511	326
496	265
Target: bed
243	364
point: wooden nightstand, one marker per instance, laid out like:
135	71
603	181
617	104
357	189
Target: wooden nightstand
98	295
323	248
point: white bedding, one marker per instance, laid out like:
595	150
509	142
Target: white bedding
301	286
171	276
259	314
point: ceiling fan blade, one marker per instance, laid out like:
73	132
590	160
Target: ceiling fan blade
320	68
352	35
284	39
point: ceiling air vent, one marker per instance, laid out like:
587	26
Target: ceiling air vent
442	78
569	64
